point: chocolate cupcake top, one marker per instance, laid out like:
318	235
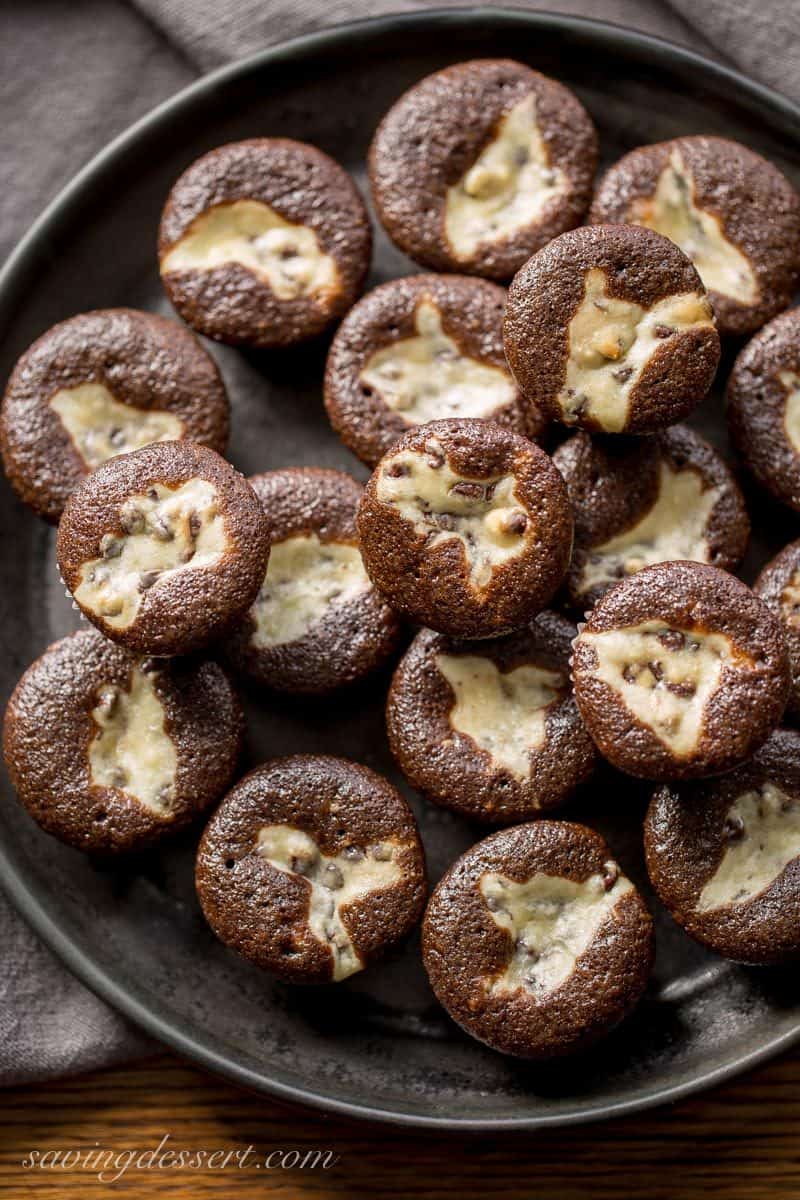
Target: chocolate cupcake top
764	407
110	752
317	622
101	384
535	942
264	242
422	348
311	867
491	730
164	548
680	671
724	855
778	585
609	328
733	212
647	500
479	165
466	528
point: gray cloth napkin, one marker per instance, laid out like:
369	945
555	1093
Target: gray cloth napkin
74	75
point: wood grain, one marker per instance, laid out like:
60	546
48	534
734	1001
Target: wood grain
738	1142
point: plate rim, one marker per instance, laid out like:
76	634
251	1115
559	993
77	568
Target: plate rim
23	258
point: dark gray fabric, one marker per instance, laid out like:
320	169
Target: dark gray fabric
74	75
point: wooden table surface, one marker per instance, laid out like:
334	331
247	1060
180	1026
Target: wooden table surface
739	1141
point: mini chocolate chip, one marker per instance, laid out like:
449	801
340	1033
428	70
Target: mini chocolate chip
445	520
673	639
470	491
116	437
656	670
397	469
382	852
160	528
152	493
610	875
516	522
733	829
623	374
166	794
131	518
195	523
684	688
663	331
110	547
353	853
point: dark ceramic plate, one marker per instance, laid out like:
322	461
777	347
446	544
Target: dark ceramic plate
378	1046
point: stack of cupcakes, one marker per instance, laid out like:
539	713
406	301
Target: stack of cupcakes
530	470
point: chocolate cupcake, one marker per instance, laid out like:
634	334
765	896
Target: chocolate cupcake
491	730
535	942
680	671
724	855
101	384
423	348
479	165
110	752
311	867
163	549
264	243
639	501
609	328
735	215
764	407
317	622
778	585
466	528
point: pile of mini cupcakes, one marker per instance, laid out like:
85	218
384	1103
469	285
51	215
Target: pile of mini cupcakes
447	388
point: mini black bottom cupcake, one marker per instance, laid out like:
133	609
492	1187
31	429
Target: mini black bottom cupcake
680	672
491	729
535	942
640	501
110	752
317	622
311	867
724	855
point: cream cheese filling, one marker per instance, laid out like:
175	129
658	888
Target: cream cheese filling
288	258
507	188
484	515
131	749
673	528
503	712
790	381
790	601
427	377
763	836
665	676
335	882
305	577
552	922
166	530
101	427
673	211
611	342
